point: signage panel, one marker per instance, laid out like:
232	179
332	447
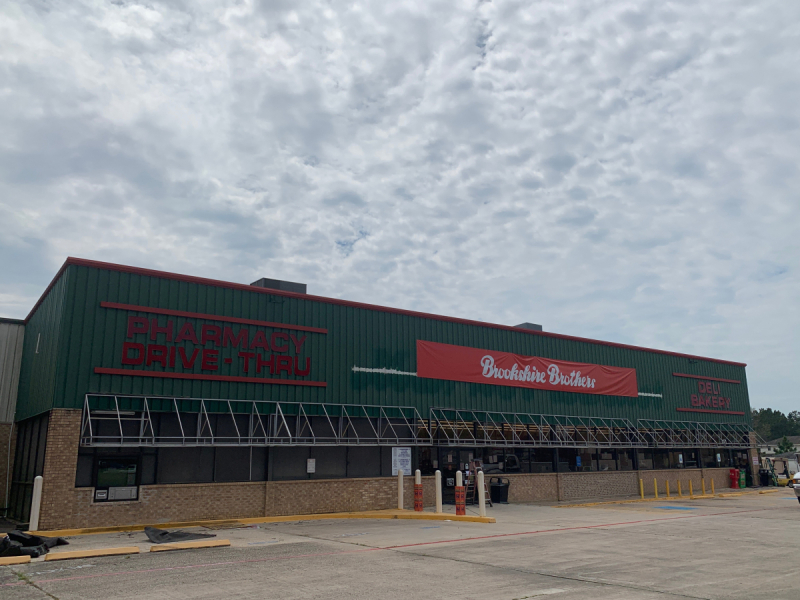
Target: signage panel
474	365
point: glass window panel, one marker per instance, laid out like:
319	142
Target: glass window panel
116	472
645	458
606	461
625	458
541	460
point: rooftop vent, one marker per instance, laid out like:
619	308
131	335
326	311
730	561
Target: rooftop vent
284	286
531	326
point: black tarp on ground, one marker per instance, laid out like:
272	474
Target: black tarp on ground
18	543
162	536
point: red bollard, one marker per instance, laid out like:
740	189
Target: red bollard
461	501
418	497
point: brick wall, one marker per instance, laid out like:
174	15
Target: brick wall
531	487
6	460
64	506
60	461
578	486
342	495
696	476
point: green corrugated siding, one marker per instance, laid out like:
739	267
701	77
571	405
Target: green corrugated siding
38	371
93	337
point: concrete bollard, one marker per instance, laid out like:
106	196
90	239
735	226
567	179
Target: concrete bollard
418	491
680	494
712	486
399	489
703	483
36	503
641	489
461	500
481	495
666	484
691	492
655	487
438	484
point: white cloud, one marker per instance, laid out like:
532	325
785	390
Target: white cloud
626	171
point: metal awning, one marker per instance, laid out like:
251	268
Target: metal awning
128	421
133	421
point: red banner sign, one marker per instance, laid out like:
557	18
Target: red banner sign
473	365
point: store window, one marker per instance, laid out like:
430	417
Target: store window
541	460
645	458
676	459
660	459
691	459
708	458
116	479
625	458
606	461
116	472
577	459
723	456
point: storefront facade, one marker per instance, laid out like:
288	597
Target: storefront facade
147	396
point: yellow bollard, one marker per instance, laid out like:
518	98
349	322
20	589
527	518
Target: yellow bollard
703	482
641	489
680	494
655	487
666	483
691	493
712	486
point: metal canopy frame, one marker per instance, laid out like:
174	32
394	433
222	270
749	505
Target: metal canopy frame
455	427
127	421
265	423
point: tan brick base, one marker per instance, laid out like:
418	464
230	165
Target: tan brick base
64	506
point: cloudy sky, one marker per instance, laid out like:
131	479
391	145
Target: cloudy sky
620	170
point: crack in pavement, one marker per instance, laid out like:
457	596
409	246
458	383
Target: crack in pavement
26	580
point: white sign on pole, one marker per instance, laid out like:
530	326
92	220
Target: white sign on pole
401	461
311	465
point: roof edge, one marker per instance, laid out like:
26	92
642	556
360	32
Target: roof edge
11	321
411	313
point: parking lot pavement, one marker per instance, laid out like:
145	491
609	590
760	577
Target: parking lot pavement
738	548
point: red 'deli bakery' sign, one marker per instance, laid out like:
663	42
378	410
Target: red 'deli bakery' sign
473	365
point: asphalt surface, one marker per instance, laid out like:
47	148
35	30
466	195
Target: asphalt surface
739	548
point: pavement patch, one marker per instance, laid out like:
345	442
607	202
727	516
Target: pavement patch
677	507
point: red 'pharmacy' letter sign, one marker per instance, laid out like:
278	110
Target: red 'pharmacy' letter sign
473	365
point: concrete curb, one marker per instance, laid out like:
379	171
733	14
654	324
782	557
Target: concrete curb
190	545
70	554
14	560
375	514
668	499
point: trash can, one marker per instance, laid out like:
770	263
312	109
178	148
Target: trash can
764	478
498	489
742	478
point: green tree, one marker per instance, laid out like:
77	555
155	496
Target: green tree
785	446
771	424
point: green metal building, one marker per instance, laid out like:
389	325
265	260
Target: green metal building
181	380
